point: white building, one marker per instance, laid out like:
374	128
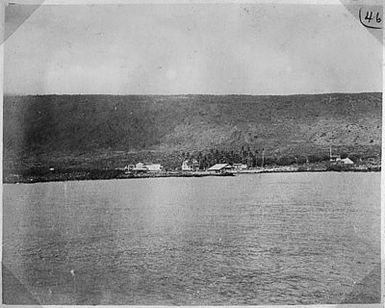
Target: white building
218	168
154	167
140	167
190	165
347	161
186	166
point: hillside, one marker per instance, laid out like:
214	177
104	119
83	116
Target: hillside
80	129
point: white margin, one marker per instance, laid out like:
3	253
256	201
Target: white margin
3	3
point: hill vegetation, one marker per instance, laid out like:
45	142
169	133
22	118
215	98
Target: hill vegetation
105	131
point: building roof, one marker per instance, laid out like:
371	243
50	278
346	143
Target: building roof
347	161
217	167
153	167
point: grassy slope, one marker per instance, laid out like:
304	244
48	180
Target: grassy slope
87	128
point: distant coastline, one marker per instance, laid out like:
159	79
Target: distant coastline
84	175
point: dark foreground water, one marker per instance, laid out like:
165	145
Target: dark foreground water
250	239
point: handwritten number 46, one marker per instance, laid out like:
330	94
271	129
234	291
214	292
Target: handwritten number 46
369	16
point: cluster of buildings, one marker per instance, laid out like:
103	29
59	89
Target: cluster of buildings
192	165
188	165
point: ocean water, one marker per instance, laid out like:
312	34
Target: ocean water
294	238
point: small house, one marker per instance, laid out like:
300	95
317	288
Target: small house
140	167
190	165
220	168
154	167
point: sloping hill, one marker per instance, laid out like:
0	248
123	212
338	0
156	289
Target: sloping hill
84	124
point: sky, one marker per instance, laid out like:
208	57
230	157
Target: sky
190	49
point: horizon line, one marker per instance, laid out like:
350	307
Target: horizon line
187	94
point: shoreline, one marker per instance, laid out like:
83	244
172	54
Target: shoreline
116	175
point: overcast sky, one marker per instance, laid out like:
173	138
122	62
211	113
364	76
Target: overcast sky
180	49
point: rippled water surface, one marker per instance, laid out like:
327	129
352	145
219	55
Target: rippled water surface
249	239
